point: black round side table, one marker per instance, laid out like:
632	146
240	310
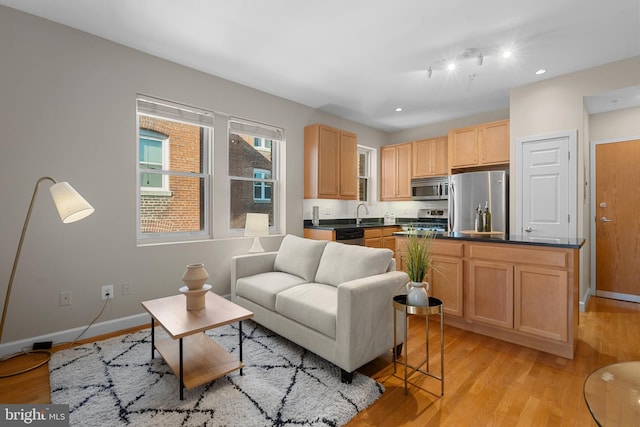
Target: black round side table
435	307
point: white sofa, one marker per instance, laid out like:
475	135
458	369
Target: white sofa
330	298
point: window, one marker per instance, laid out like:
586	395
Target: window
154	148
253	170
173	170
364	173
261	189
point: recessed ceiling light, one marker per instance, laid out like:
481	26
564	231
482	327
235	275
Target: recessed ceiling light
451	66
541	71
398	109
506	54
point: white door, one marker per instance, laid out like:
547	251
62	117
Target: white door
546	197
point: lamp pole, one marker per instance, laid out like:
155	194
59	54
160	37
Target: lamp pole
15	261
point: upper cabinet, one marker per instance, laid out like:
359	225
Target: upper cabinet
480	145
330	163
395	171
429	157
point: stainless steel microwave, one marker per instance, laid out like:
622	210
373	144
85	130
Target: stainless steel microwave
436	188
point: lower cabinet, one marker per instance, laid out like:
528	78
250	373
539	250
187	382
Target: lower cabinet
491	293
446	275
527	295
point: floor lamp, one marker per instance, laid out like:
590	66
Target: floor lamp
71	207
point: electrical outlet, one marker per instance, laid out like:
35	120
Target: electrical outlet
107	292
127	288
65	298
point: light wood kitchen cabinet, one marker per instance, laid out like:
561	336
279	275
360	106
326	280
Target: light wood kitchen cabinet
373	237
330	163
395	169
446	275
388	239
491	293
549	292
480	145
429	157
524	294
527	290
381	237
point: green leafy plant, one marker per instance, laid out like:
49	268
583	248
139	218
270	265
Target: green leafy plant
417	261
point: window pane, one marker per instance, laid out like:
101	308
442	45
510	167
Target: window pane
362	164
182	210
250	196
184	146
362	189
247	153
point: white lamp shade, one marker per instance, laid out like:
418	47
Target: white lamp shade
256	225
71	205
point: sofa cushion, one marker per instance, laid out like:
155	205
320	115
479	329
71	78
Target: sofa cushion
312	304
341	263
299	256
262	288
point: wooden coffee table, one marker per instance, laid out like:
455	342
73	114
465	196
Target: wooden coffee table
193	356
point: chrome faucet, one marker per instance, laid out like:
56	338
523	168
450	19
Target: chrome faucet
358	212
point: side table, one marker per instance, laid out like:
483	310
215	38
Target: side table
435	307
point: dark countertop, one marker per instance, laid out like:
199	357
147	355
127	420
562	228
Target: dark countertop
559	242
336	224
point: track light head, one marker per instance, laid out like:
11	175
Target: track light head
480	59
429	72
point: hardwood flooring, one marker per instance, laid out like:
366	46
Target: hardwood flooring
487	382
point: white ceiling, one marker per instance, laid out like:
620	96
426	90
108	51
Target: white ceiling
360	59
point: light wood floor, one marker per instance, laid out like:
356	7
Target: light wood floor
487	382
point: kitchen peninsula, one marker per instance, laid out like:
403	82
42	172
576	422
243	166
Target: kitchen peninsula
519	289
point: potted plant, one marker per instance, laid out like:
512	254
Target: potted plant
417	264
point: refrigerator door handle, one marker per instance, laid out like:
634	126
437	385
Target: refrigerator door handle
452	204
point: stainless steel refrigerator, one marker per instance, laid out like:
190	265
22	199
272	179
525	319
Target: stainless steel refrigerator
468	190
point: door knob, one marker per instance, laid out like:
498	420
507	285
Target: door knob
528	229
605	219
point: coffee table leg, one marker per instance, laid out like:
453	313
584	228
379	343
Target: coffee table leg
153	339
240	334
181	373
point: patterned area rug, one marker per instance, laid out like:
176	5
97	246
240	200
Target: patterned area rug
114	383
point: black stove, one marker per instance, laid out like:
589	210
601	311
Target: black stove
430	220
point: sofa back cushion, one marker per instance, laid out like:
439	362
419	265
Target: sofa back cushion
299	256
341	263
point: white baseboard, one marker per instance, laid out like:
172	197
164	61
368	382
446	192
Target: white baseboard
71	334
584	301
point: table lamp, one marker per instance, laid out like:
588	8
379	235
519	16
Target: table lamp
256	226
71	207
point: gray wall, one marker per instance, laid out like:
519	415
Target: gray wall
68	111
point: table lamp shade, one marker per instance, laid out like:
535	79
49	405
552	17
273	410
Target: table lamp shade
70	204
256	225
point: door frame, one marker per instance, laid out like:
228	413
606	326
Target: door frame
592	219
572	141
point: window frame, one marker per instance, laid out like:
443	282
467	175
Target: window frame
369	153
171	111
276	135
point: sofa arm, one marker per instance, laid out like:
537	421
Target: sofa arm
249	265
364	324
